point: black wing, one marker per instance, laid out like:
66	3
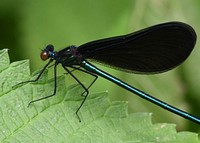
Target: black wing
155	49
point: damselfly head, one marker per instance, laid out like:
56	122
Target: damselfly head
46	52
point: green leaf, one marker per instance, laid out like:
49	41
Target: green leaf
54	119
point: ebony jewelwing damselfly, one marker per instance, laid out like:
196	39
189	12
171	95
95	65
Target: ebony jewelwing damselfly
152	50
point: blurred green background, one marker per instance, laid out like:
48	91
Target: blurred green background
26	27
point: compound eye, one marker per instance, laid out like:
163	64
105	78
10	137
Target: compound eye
50	48
44	55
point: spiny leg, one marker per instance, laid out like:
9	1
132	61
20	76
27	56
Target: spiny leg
95	76
55	87
38	77
86	89
71	70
